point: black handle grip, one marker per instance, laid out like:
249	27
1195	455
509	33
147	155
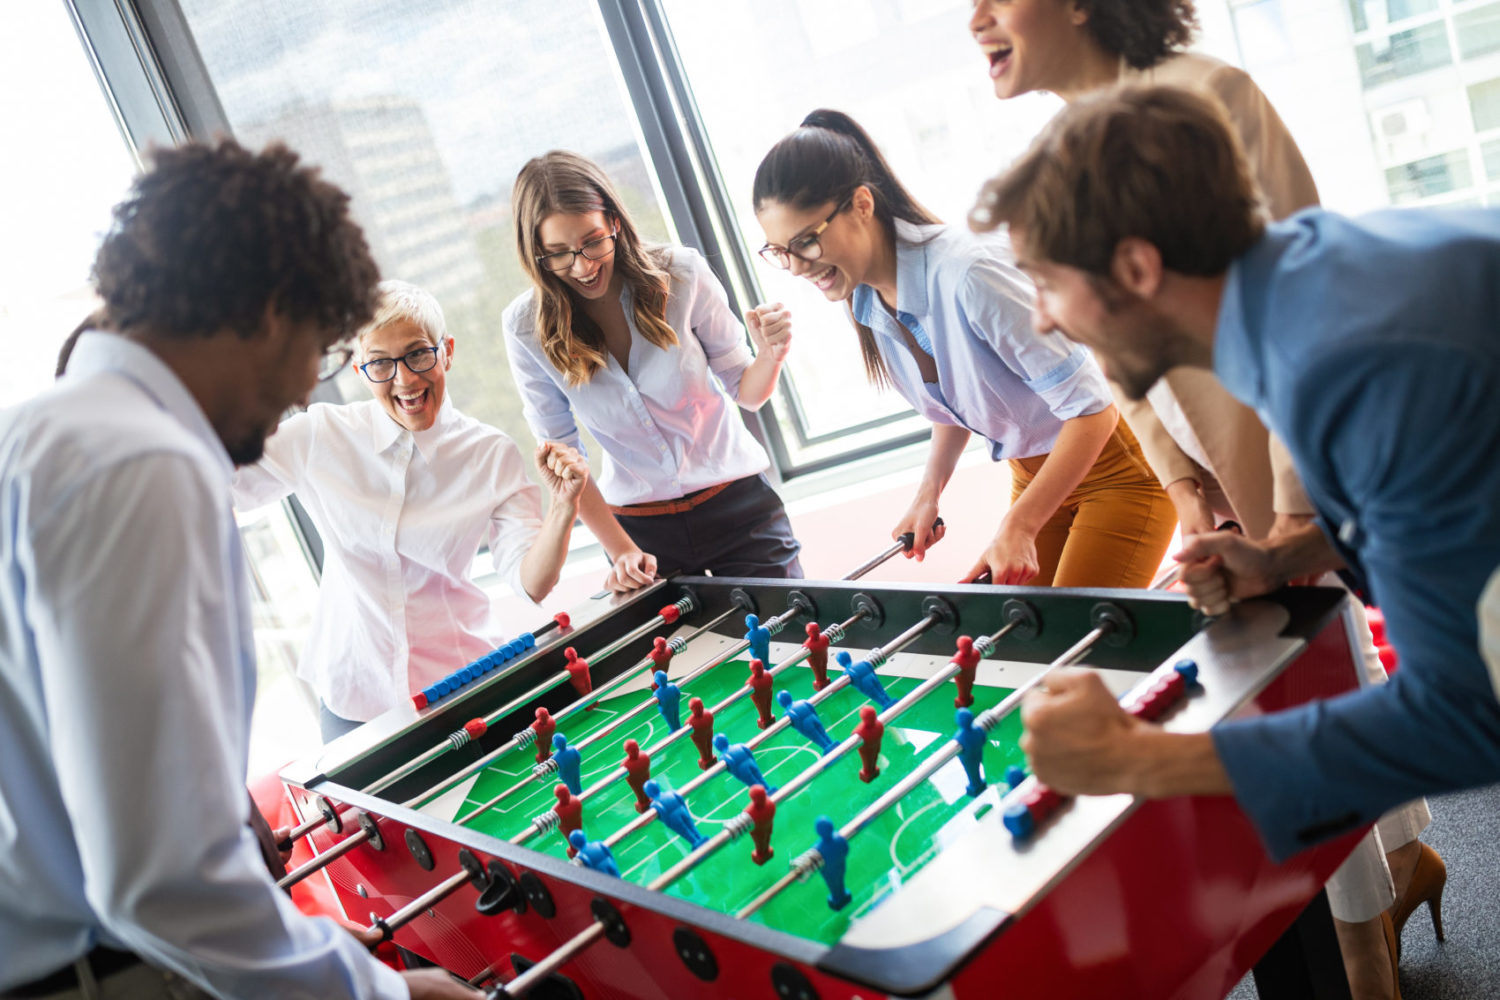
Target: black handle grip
909	538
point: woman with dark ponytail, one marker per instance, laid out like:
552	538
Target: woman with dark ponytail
944	317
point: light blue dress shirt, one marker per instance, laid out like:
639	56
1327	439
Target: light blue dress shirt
961	294
127	678
1372	347
670	425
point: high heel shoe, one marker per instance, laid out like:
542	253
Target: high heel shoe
1428	877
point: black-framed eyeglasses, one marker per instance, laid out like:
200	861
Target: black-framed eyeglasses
423	359
333	360
597	249
808	247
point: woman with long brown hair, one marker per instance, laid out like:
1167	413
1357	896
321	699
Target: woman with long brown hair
637	343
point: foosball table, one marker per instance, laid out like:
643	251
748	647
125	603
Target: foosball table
748	788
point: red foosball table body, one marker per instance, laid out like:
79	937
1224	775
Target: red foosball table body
1112	897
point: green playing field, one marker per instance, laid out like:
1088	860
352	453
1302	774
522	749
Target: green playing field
880	858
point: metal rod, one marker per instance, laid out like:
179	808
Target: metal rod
519	740
301	830
541	771
900	642
391	924
541	824
902	544
323	860
523	984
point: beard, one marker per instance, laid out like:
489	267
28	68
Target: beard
246	450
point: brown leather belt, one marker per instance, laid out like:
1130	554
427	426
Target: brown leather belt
102	961
679	506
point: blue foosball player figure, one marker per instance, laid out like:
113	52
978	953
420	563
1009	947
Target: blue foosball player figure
970	740
569	763
862	676
672	810
759	638
805	720
835	851
740	762
594	854
669	700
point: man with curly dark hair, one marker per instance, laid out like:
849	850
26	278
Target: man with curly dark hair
231	281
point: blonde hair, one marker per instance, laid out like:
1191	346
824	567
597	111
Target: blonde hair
565	183
401	300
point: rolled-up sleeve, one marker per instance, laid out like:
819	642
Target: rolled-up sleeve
715	324
545	406
996	301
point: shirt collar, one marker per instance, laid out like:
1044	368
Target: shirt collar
911	274
386	432
98	352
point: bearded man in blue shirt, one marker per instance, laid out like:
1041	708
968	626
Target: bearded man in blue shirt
1369	345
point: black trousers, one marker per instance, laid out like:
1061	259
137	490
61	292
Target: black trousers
743	531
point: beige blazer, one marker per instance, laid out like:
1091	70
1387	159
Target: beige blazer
1253	470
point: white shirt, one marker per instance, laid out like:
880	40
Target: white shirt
127	677
670	425
402	516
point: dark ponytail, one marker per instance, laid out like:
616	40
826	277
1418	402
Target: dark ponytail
823	161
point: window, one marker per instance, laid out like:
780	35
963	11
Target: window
911	75
1490	151
1430	176
1404	53
1484	102
425	112
1377	13
1478	31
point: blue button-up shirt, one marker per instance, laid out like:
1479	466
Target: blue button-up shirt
961	294
669	425
1372	347
127	677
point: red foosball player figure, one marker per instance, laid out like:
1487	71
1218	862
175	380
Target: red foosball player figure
967	659
760	692
637	765
817	655
661	655
578	672
570	812
544	727
762	812
871	730
702	722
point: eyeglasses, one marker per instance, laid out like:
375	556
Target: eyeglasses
807	248
423	359
333	361
563	260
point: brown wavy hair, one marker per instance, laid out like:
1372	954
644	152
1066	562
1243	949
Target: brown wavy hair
1142	32
212	234
565	183
825	160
